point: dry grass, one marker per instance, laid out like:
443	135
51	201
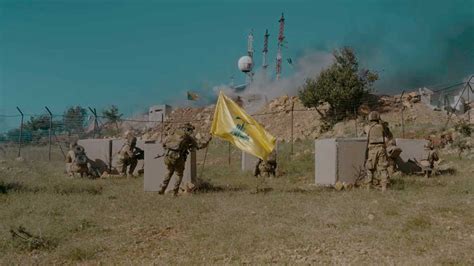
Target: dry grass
285	220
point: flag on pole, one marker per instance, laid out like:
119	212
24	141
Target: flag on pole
232	124
192	96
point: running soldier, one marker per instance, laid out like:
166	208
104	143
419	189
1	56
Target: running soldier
177	148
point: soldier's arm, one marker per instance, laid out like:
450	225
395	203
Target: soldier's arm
68	158
387	132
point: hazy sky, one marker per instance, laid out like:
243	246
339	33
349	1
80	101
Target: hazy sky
137	53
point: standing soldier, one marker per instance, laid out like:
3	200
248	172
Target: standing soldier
128	156
76	160
431	156
177	148
376	155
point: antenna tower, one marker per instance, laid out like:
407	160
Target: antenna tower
281	37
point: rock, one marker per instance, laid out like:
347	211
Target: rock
371	216
20	159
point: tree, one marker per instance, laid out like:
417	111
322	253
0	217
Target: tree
343	86
74	119
112	115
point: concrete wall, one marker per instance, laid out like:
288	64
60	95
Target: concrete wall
117	144
339	160
248	162
99	152
155	168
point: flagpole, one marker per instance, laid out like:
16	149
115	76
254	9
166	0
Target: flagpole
229	152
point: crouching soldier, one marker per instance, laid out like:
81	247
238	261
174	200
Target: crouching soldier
376	154
177	148
431	156
128	156
76	160
267	167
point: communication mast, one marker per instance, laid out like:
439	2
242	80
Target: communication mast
250	54
281	37
265	52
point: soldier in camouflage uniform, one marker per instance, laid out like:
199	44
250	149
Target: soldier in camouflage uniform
177	148
76	160
431	156
376	155
267	167
128	156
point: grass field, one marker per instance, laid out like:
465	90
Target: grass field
239	220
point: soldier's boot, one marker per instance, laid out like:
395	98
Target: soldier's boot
133	165
368	179
177	184
384	180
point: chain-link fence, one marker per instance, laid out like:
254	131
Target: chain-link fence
46	136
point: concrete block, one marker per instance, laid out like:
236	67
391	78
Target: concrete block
117	144
248	162
99	152
155	168
339	160
412	149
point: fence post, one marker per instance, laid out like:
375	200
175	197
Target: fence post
403	119
20	138
94	113
292	119
162	127
50	130
355	121
229	153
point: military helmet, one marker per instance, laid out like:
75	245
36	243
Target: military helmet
188	127
374	116
72	144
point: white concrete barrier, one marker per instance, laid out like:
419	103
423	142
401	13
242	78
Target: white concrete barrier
99	152
339	160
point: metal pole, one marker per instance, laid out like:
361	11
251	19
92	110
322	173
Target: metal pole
21	132
403	119
229	153
50	131
94	113
292	118
162	127
355	121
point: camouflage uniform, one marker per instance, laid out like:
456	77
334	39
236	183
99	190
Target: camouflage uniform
430	157
128	156
377	160
177	148
76	160
266	167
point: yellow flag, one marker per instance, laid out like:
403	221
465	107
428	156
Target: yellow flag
231	123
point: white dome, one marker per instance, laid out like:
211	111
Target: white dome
245	64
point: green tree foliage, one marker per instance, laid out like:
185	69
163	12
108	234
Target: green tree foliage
343	86
74	119
112	115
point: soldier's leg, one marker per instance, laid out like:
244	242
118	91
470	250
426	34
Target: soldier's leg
370	167
179	175
169	174
122	167
382	166
133	165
